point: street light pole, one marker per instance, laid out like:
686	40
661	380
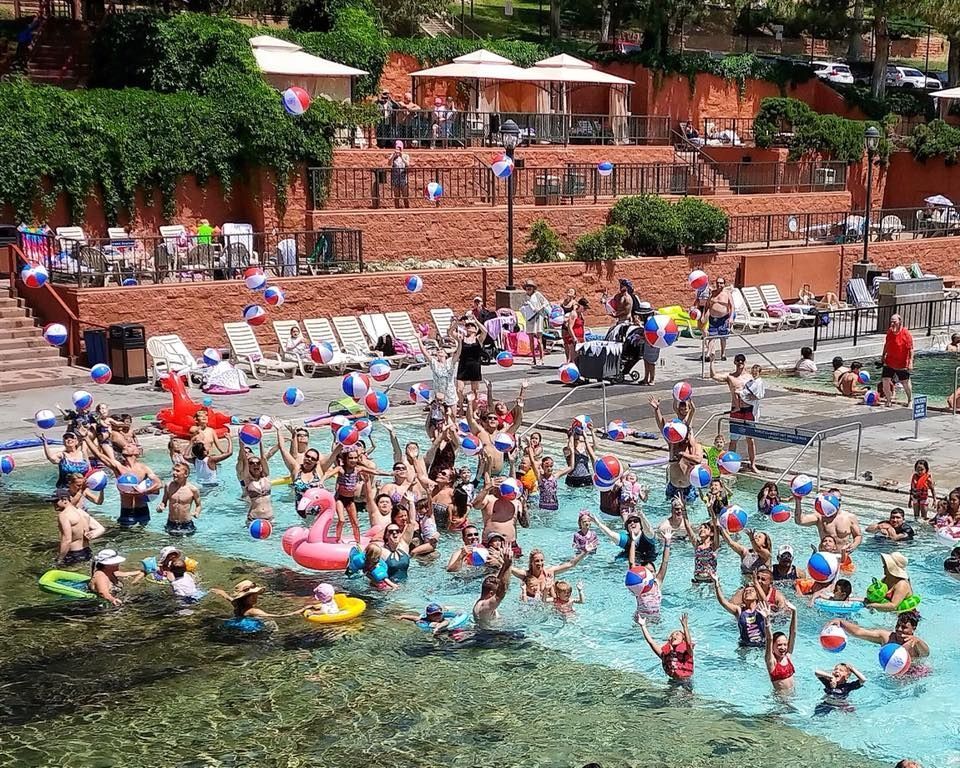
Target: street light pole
872	139
510	135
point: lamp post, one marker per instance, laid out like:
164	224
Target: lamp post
509	136
872	138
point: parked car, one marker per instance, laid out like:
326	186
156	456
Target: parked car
933	82
906	77
833	72
615	45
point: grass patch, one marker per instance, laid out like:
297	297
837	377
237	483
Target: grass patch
489	20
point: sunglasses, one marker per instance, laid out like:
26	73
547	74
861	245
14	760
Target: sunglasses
473	535
392	530
311	458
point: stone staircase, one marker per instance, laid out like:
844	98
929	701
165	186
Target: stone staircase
703	174
27	361
60	55
434	26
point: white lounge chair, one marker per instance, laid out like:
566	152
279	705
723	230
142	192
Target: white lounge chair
352	337
247	352
771	297
282	328
170	355
442	319
375	325
320	331
746	318
401	327
756	303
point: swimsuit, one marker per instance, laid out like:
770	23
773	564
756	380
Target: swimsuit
548	494
644	549
206	475
139	515
749	563
300	487
258	489
585	542
468	369
753	627
67	467
347	486
648	603
180	527
704	563
75	556
397	563
441	514
719	326
677	660
428	528
782	670
580	476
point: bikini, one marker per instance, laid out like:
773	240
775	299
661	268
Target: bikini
258	489
782	670
347	486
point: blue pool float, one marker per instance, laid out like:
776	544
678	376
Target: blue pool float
838	607
457	620
26	442
248	624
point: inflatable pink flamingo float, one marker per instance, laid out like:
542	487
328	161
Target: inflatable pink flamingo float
317	548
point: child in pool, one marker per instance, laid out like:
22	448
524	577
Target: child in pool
676	655
839	592
632	494
837	685
432	617
706	542
183	584
530	591
922	491
585	540
325	604
375	569
562	594
244	601
712	454
427	535
716	497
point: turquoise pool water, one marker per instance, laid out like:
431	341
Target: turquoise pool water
932	375
892	718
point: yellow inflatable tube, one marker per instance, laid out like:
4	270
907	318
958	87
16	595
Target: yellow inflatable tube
285	480
350	608
681	316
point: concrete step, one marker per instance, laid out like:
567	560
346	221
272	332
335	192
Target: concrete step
11	311
29	353
11	323
25	332
18	381
24	342
32	364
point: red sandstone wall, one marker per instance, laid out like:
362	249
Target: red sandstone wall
913	181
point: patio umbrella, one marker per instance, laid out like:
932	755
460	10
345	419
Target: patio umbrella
939	200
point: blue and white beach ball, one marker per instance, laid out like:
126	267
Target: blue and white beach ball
292	396
7	464
413	283
356	385
504	441
250	434
379	369
660	331
434	191
604	168
733	518
675	431
254	278
826	504
321	353
421	393
569	373
212	356
45	419
801	486
101	373
871	398
96	480
833	638
639	580
863	377
82	400
273	296
470	445
682	391
296	101
700	476
617	430
509	488
478	556
607	469
502	166
823	566
55	334
376	402
602	485
729	463
347	435
128	483
894	659
556	318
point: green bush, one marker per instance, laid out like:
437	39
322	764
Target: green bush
650	222
436	50
544	243
603	244
702	223
935	139
908	102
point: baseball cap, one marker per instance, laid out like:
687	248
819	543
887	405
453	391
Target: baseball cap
478	298
495	535
324	592
108	557
432	609
785	549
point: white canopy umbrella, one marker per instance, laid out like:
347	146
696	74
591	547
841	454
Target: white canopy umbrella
564	68
939	201
285	64
479	65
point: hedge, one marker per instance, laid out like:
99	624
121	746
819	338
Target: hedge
603	244
934	139
656	227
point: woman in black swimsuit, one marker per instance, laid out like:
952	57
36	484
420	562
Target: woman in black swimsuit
468	367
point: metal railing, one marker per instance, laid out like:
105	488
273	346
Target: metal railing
956	378
719	131
921	317
442	129
767	177
134	259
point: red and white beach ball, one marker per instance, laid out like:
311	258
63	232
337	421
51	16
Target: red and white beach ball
250	434
321	353
504	441
261	529
470	445
639	580
833	638
617	430
675	431
781	513
96	480
729	463
347	435
569	373
695	313
582	422
254	314
254	278
826	504
34	275
273	296
733	518
698	279
379	369
376	402
502	166
660	331
356	385
364	426
296	101
101	373
55	334
682	391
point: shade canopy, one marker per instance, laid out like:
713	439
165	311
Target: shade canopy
939	200
479	65
279	57
948	93
564	68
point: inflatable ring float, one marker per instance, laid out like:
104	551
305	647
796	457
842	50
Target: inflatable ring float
248	624
285	480
908	603
949	535
350	608
457	620
838	607
67	584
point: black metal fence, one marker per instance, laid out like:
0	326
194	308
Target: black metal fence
746	178
719	132
135	259
920	317
441	129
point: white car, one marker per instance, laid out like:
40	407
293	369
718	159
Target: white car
933	84
906	77
833	72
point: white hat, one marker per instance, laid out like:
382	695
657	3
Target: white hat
108	557
167	551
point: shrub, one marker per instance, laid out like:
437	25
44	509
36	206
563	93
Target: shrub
603	244
935	139
702	223
650	222
435	50
544	243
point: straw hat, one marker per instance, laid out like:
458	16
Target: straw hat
895	564
244	588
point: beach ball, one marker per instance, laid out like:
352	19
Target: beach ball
34	276
376	402
363	426
781	513
582	422
801	486
55	334
609	306
45	419
292	396
273	296
682	391
347	435
602	485
505	359
434	191
607	468
413	283
211	356
698	280
339	421
556	317
254	314
733	518
660	331
321	353
265	422
569	373
129	281
82	400
421	393
502	166
478	556
639	580
729	463
700	476
96	480
356	385
894	659
823	566
7	464
871	398
695	313
261	529
470	445
254	278
604	168
296	101
128	483
250	434
833	638
826	504
863	377
617	430
463	426
101	373
379	369
509	488
675	431
504	441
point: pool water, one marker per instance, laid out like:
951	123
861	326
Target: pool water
595	662
932	375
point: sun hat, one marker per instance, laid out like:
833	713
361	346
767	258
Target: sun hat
244	588
895	564
167	551
108	557
324	592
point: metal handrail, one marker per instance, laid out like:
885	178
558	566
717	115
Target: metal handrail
956	374
539	420
703	349
818	436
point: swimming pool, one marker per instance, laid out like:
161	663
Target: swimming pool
932	375
893	717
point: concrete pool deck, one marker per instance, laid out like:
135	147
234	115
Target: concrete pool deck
887	451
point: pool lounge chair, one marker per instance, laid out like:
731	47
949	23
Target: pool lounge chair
756	303
442	319
345	355
247	352
857	294
402	327
352	336
282	328
749	320
376	325
169	354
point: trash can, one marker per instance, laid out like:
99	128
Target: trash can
128	353
95	343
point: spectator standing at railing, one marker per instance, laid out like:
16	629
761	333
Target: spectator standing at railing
451	119
399	165
897	361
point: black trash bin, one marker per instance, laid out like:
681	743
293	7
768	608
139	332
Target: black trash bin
128	353
95	344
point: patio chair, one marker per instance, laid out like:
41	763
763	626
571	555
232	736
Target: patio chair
756	304
442	319
170	355
238	251
375	325
890	228
246	350
282	328
747	319
858	295
78	258
319	331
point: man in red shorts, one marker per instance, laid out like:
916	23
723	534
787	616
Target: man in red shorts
746	391
897	361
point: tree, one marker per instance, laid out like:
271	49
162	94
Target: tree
944	15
